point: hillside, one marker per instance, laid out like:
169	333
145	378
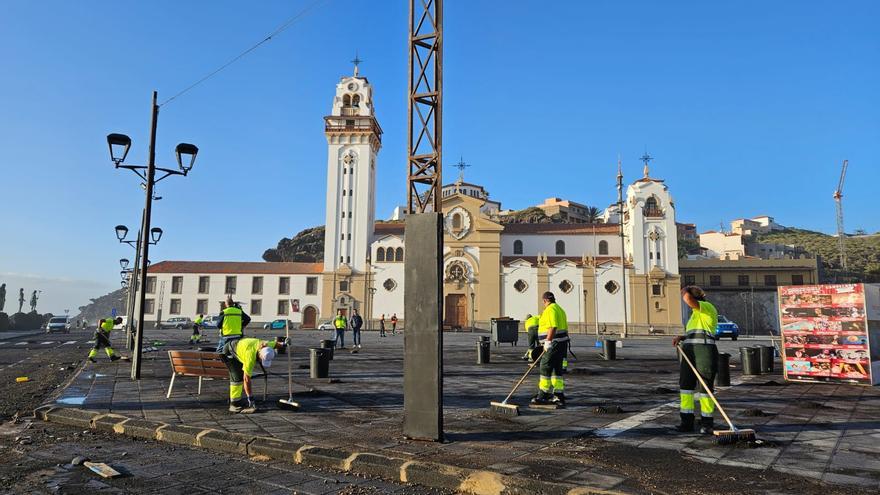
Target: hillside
102	307
863	253
306	246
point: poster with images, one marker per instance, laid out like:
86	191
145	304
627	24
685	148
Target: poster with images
825	333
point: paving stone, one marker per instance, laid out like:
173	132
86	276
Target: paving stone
323	457
138	428
273	448
107	422
179	434
222	441
436	475
377	465
70	417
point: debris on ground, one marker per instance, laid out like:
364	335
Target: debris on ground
756	413
104	470
608	409
79	460
22	379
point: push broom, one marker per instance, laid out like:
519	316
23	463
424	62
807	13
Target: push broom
288	403
722	437
503	407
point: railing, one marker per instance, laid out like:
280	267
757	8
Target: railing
363	124
652	212
350	111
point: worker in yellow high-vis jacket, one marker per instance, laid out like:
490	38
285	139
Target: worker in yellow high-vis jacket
241	357
102	338
698	344
553	333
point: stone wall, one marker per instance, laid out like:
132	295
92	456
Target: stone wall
756	313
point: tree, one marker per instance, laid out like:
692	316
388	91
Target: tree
593	214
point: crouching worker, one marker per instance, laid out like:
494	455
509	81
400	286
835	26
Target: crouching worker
241	356
102	338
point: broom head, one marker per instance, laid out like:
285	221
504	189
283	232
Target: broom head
730	437
504	409
288	404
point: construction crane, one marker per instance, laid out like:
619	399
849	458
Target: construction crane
838	198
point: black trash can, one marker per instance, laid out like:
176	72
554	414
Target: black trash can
330	345
722	378
751	360
319	364
765	358
609	349
483	351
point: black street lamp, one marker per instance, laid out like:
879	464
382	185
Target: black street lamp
123	263
119	145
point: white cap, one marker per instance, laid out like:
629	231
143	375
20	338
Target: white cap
267	354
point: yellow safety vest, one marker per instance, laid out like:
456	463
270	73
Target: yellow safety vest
339	322
532	322
108	324
231	322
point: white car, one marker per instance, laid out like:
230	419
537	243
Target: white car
327	325
178	322
58	324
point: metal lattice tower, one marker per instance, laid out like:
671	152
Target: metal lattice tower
838	199
424	146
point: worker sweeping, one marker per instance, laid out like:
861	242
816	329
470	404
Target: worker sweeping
531	326
698	344
241	356
231	323
553	331
102	338
197	325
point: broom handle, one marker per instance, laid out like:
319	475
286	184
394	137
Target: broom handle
521	380
706	388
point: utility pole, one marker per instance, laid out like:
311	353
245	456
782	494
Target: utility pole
622	244
841	235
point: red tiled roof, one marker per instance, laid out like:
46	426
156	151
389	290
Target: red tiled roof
266	267
560	228
551	260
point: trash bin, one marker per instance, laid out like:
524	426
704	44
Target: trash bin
751	361
505	330
319	364
722	378
330	345
765	358
609	349
483	351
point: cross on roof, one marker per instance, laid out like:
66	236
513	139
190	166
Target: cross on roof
461	165
357	61
646	158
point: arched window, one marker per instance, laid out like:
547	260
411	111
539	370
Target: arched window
560	247
603	247
398	254
380	254
517	247
356	101
346	101
456	221
652	208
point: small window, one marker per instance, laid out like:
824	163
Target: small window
456	221
311	286
565	286
612	287
149	306
176	285
282	307
742	280
380	254
797	280
348	259
231	282
656	304
560	247
174	309
770	280
520	285
343	192
389	285
517	247
201	306
256	306
398	254
343	286
690	280
284	285
656	289
204	283
257	285
715	280
151	285
603	247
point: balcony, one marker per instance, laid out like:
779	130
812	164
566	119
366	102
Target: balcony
350	111
352	124
649	212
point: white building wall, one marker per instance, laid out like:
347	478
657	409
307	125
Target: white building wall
216	294
610	306
575	245
384	301
517	304
570	300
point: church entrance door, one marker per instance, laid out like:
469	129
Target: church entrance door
310	317
456	311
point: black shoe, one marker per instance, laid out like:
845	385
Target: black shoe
707	425
93	360
559	398
542	398
114	357
687	423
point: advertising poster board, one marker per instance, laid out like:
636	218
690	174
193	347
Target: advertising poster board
826	335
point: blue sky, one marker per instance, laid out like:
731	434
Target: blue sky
748	108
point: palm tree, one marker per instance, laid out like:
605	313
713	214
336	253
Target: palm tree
593	214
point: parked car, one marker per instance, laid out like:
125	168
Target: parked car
210	321
176	322
58	324
726	328
327	325
121	326
277	324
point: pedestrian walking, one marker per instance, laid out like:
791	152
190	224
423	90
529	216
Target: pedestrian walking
382	326
394	324
339	323
241	356
102	338
232	323
698	344
197	325
553	330
356	323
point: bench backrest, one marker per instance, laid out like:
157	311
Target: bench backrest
197	363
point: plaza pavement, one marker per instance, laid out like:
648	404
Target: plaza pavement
822	432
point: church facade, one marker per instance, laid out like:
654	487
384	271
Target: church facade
606	282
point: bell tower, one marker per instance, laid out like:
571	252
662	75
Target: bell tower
353	141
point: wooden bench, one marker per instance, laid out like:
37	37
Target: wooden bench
202	365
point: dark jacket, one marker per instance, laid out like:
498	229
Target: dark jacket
356	322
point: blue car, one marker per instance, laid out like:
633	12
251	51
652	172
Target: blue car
726	328
277	325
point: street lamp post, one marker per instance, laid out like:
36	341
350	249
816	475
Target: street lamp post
370	314
121	233
185	152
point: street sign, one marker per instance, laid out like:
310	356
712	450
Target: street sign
294	305
113	312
